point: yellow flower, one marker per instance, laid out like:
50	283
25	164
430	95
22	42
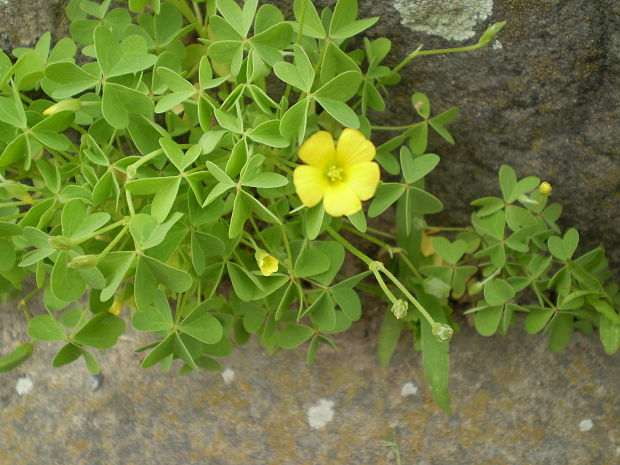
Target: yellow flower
545	188
342	176
267	263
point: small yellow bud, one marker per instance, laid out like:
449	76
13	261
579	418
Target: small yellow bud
71	104
426	245
267	263
545	188
117	306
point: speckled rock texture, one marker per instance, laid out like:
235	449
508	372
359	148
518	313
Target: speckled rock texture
514	403
23	21
544	99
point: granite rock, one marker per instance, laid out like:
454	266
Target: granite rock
514	403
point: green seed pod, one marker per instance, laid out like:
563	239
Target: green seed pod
490	33
399	308
442	332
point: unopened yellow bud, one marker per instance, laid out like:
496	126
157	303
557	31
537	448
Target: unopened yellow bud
545	188
116	307
71	104
267	263
426	245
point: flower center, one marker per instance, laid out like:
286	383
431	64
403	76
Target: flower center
334	173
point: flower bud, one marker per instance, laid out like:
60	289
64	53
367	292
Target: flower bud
71	104
116	306
60	242
399	308
545	188
83	262
524	198
267	263
442	332
490	33
475	287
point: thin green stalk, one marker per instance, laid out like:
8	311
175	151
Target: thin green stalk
113	242
288	248
441	51
369	238
448	228
378	232
392	128
384	287
105	229
375	267
132	211
419	52
131	169
23	303
189	15
409	296
350	247
14	204
405	258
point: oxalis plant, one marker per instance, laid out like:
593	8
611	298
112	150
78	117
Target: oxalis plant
198	169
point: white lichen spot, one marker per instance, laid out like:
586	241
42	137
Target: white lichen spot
408	389
450	19
4	2
585	425
23	386
497	45
228	375
321	413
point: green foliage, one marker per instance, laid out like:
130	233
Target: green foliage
155	175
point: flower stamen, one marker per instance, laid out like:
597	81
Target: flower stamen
334	173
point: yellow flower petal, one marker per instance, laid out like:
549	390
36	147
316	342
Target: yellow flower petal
310	184
318	149
341	200
268	264
354	148
363	179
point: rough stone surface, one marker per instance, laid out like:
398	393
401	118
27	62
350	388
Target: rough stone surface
22	22
514	403
544	99
450	19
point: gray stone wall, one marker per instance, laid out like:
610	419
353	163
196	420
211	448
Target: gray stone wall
543	99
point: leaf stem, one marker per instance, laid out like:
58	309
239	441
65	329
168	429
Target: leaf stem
350	247
113	242
375	267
